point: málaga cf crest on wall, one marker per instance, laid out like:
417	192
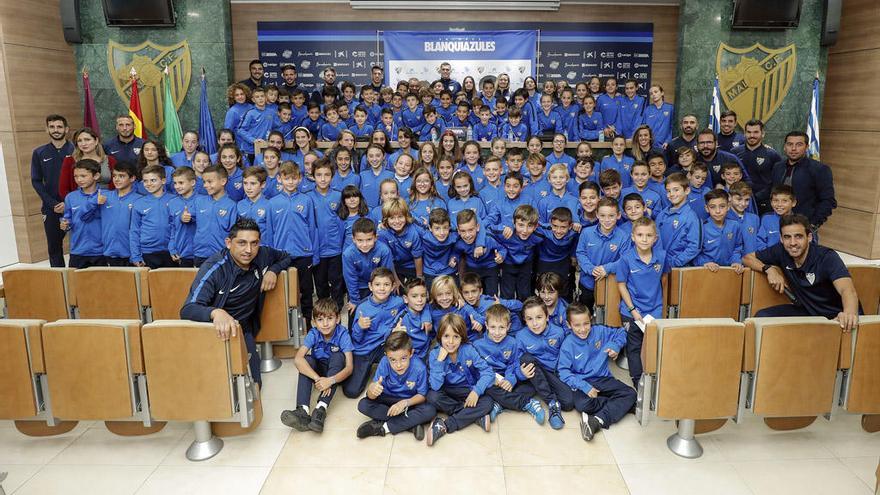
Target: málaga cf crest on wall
149	59
755	80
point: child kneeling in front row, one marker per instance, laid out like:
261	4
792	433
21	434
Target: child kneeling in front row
396	397
459	379
601	399
323	361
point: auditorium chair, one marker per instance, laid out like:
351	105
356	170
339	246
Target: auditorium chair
793	364
866	278
757	294
95	371
607	302
40	293
861	386
696	292
281	321
168	288
693	374
112	293
194	376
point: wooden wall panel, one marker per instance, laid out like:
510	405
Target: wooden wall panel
30	238
853	160
664	18
57	77
845	107
33	23
852	231
858	26
5	109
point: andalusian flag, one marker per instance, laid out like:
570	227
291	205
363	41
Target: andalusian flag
813	122
172	135
134	107
715	109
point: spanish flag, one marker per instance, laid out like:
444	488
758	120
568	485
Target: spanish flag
134	107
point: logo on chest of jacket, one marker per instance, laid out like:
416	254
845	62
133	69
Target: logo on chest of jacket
300	208
811	277
675	224
410	384
657	267
612	247
222	213
552	342
729	236
261	212
376	260
334	348
598	344
507	354
469	363
759	160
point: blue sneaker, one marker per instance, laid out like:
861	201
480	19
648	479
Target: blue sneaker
556	419
496	410
485	423
437	430
534	408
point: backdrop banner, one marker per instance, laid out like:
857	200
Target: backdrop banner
473	53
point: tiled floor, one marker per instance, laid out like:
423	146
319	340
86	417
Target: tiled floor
517	456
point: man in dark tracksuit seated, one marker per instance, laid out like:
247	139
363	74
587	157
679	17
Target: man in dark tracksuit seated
815	277
228	289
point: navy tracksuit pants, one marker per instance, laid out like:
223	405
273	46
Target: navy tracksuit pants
548	384
450	400
516	399
357	382
614	402
324	367
414	415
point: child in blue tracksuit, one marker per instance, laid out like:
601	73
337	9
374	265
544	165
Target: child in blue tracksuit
438	247
557	249
678	226
502	353
361	258
373	321
697	190
516	271
328	272
82	216
214	215
433	128
333	126
590	123
361	129
641	276
740	199
617	160
514	130
415	320
722	238
473	295
601	399
255	205
396	398
230	158
548	121
372	177
180	241
150	222
458	379
540	342
256	124
640	174
548	287
295	231
478	252
323	361
116	215
599	248
446	298
782	201
485	130
631	108
403	237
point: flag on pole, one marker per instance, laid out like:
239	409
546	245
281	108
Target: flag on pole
813	122
134	106
715	109
90	119
206	123
172	135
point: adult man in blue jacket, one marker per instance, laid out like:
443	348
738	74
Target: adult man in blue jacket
228	290
45	171
811	180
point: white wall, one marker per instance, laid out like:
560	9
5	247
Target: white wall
8	250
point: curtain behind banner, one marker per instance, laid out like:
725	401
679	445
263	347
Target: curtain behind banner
471	53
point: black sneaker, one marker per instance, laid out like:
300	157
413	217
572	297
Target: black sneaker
318	417
298	419
372	428
437	430
419	432
590	427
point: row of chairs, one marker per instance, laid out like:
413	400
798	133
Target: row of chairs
52	294
789	371
134	377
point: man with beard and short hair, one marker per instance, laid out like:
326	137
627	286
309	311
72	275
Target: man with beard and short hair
758	158
329	76
687	138
288	79
257	77
45	173
728	138
708	153
811	180
125	146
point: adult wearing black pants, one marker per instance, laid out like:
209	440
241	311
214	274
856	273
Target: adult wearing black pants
228	289
45	172
816	278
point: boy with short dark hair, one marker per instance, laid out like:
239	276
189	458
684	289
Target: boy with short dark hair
323	361
360	260
116	215
609	181
514	129
485	130
516	271
415	320
722	239
214	215
361	129
556	251
438	247
473	294
698	187
640	174
150	226
601	399
434	126
599	248
740	199
396	398
254	205
478	252
83	217
678	225
373	320
782	202
180	242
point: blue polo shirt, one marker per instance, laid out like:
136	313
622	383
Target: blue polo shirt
321	348
643	281
413	381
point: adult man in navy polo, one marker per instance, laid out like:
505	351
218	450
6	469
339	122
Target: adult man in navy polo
125	146
329	76
811	180
728	138
45	172
687	138
445	77
759	159
289	78
816	278
714	158
257	77
229	288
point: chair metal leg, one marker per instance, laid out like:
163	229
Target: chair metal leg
682	443
268	362
206	445
622	361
